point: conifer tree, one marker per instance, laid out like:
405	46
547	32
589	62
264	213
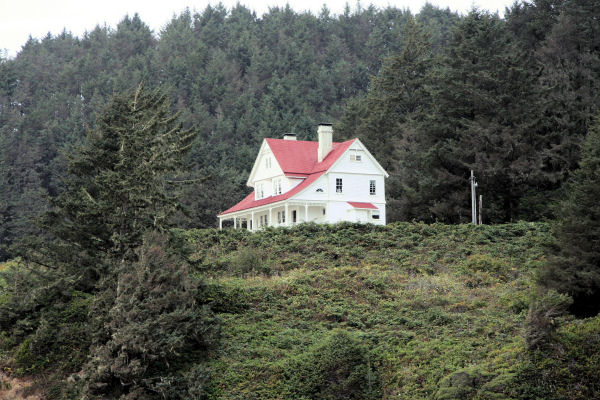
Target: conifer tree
483	119
574	263
119	183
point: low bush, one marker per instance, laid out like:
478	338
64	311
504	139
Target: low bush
338	367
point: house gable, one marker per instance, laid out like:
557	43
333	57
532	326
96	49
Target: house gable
265	165
357	159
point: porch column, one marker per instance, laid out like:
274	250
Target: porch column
252	218
234	223
306	212
220	223
287	215
270	221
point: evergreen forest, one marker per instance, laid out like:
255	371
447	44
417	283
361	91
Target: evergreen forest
119	148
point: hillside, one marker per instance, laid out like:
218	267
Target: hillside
440	309
407	311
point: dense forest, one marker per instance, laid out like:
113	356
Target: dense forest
236	78
118	149
432	95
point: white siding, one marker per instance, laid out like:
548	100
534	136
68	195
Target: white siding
262	171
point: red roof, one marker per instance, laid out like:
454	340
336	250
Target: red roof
357	204
297	159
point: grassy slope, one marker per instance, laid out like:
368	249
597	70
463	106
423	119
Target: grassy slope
427	299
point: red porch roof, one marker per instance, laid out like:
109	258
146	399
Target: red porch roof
357	204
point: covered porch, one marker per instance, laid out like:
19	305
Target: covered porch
286	213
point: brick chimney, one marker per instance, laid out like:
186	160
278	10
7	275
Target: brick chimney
325	133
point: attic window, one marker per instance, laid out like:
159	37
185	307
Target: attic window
319	190
277	186
268	162
355	157
260	192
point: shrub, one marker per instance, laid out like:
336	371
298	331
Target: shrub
249	260
339	367
153	328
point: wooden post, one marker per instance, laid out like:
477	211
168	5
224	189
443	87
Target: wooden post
480	204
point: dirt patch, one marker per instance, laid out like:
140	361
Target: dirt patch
12	388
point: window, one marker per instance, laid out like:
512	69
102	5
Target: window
278	217
372	188
283	217
294	216
260	191
261	223
375	216
324	211
268	162
338	185
355	157
276	186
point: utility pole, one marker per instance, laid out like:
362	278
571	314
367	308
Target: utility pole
473	198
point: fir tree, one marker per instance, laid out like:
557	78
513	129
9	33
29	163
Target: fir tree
574	262
119	184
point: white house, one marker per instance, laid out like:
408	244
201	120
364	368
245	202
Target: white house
300	181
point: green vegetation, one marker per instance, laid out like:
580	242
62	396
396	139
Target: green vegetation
107	300
438	310
574	266
407	311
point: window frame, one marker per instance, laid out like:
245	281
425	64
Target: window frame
372	187
339	185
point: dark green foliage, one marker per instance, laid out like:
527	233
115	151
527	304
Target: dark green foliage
44	320
153	329
339	367
567	369
119	186
482	118
89	292
574	262
462	384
